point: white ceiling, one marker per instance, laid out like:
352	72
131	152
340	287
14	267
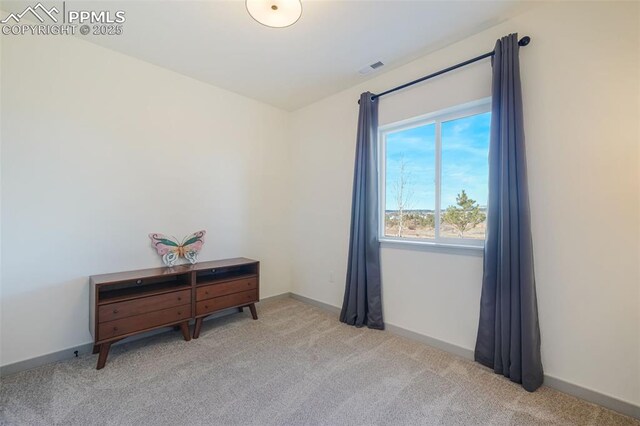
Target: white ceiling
217	42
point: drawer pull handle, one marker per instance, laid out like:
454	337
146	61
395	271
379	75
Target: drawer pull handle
179	299
206	307
179	313
213	271
139	282
115	311
115	328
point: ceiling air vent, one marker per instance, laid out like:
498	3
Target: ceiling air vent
372	67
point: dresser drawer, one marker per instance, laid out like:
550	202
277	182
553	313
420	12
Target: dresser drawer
228	301
143	305
229	287
107	330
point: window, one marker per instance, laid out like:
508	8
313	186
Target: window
434	176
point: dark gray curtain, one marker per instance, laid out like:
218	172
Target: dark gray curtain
362	303
508	332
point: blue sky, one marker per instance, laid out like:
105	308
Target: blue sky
465	147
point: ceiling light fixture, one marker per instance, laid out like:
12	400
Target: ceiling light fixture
275	13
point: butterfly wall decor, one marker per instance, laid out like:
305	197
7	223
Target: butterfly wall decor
171	250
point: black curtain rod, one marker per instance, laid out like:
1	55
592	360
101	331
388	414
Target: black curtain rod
522	42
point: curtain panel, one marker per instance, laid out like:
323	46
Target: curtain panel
508	332
362	305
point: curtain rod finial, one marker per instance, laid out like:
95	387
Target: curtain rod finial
373	97
524	41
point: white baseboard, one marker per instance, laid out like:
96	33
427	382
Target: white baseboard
578	391
325	306
86	348
607	401
399	331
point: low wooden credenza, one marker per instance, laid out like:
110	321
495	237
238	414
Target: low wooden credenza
128	303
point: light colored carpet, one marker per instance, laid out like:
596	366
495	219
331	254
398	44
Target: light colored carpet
296	365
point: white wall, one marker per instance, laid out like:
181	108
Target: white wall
580	82
99	150
0	195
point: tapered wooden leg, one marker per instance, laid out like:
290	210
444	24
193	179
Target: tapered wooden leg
196	329
184	326
96	349
104	352
254	314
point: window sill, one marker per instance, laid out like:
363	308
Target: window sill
466	250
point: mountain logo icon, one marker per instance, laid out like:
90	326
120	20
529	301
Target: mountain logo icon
38	11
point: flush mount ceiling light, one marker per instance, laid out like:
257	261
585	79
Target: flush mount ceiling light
275	13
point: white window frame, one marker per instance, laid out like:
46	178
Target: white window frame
438	117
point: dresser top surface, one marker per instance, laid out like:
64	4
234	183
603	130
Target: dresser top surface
166	271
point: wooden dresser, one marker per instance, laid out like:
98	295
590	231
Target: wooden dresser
128	303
